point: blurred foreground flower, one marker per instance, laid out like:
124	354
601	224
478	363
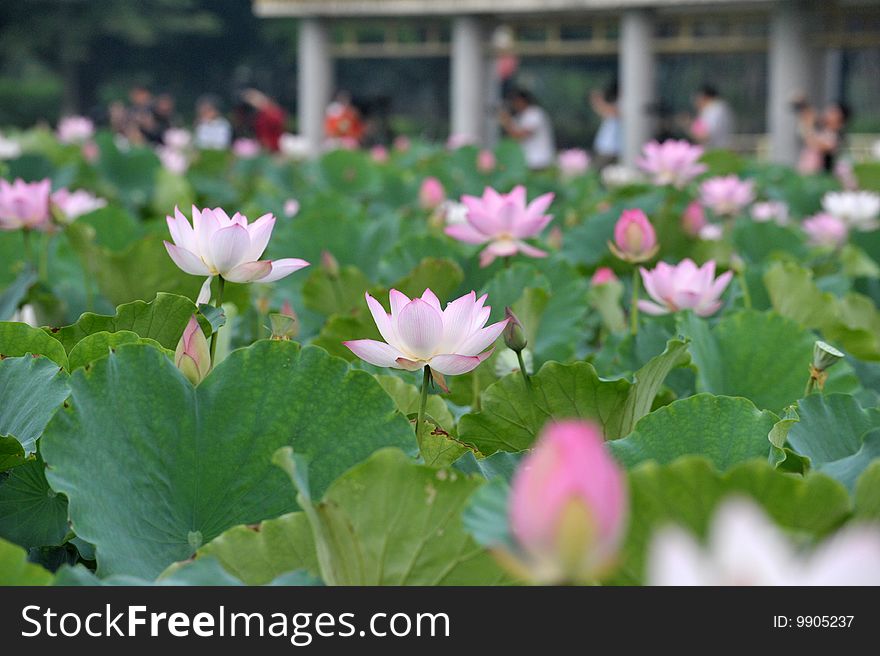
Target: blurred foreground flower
419	333
568	506
503	220
683	286
726	195
73	204
25	205
859	209
192	355
291	208
75	129
746	548
573	162
634	237
825	230
673	162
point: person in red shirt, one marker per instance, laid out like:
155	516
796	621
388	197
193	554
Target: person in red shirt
268	120
342	120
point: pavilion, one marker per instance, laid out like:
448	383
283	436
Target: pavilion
800	38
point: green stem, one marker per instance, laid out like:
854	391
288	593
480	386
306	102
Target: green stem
525	374
747	296
218	302
634	306
810	385
423	404
43	264
28	249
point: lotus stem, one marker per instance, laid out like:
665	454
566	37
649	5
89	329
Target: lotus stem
747	296
218	302
634	306
525	374
423	404
43	264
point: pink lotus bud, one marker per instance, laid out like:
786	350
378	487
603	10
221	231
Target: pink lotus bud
330	264
693	219
602	276
431	194
291	208
90	151
634	237
193	356
573	162
486	161
287	310
402	143
568	505
379	154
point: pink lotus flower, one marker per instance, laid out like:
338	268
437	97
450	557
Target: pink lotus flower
25	205
726	195
683	287
693	219
245	148
431	193
568	505
770	210
745	547
634	237
402	143
673	162
75	129
193	355
503	220
379	154
73	204
420	333
603	275
486	161
573	162
216	245
174	161
825	230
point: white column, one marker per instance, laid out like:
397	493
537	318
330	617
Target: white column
636	57
832	84
468	72
316	79
789	76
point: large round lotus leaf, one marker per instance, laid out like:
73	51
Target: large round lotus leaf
154	468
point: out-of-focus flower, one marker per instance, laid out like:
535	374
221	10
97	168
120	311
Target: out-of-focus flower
573	162
454	213
245	148
73	204
693	219
90	151
506	362
402	143
711	232
177	138
846	175
859	209
420	333
726	195
770	210
456	141
174	161
217	245
9	148
294	146
673	162
745	547
684	286
602	276
75	129
291	208
634	237
25	205
618	175
568	505
24	314
825	230
485	161
555	238
431	193
379	154
504	221
193	355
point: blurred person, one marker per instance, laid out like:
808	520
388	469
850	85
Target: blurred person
266	120
609	138
822	135
212	130
713	126
142	125
342	120
164	113
530	125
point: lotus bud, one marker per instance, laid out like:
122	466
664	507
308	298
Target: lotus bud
514	336
193	355
554	238
568	505
431	193
634	237
603	276
329	264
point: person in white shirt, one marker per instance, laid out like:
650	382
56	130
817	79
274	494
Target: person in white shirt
713	126
609	138
212	131
530	125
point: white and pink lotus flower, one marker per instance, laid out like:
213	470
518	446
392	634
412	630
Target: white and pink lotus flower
25	205
727	195
825	231
683	286
859	209
673	162
504	222
573	162
70	205
75	129
419	332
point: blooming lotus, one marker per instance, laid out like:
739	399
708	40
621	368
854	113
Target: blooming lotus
634	237
673	162
504	221
75	129
573	162
771	210
726	195
73	204
431	193
858	208
217	245
825	230
419	332
683	286
568	505
25	205
746	548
